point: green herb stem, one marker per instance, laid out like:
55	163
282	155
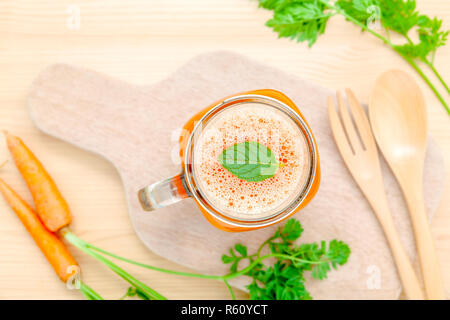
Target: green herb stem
84	246
361	25
282	249
146	266
230	289
426	79
306	21
258	253
195	275
88	292
205	276
436	73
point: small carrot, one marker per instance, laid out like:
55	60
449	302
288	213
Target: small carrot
51	246
51	207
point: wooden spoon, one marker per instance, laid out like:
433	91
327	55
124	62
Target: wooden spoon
399	122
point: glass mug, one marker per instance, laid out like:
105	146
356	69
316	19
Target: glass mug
190	183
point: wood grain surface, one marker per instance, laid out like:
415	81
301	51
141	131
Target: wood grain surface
143	42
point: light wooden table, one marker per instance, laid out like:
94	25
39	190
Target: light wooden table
143	42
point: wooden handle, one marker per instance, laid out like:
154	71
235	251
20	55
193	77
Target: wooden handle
431	271
408	277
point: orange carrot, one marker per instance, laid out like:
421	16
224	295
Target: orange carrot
51	246
50	204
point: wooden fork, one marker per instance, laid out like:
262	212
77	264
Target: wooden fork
361	157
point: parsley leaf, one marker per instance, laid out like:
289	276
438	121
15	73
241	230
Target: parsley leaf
430	38
305	20
301	20
358	9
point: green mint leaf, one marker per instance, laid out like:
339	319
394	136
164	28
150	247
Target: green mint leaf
249	160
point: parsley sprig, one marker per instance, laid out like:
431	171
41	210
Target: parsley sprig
281	279
305	20
284	279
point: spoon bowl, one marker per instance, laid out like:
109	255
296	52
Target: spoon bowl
398	117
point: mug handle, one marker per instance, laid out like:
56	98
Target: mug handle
164	193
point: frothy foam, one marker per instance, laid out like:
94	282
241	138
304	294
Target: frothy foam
251	122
